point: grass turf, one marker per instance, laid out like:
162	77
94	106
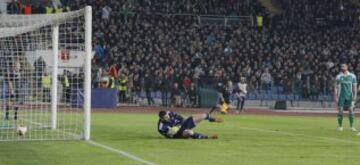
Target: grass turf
244	139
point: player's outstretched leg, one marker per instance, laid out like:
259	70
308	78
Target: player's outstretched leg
213	109
340	116
193	135
222	108
206	116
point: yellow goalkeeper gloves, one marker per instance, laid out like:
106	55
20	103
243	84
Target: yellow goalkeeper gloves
173	130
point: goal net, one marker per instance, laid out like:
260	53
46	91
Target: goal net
45	76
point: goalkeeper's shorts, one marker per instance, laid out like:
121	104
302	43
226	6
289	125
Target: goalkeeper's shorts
186	124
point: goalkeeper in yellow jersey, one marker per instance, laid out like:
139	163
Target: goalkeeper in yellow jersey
173	125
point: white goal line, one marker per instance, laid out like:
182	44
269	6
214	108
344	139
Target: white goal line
123	153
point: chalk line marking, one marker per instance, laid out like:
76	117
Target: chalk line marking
120	152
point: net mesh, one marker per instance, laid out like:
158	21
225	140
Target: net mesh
26	66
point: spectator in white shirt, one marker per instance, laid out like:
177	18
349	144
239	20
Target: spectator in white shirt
240	94
266	79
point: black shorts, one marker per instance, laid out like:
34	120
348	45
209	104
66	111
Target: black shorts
16	87
13	98
186	124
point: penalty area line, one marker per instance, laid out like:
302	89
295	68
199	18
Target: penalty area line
120	152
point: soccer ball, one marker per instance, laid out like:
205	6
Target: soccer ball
21	130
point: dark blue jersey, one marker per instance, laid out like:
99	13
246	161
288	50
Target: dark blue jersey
226	95
222	89
164	126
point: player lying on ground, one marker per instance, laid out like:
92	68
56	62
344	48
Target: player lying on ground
173	125
345	95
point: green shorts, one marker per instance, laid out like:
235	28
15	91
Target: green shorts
345	102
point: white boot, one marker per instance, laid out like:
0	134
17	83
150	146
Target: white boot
353	129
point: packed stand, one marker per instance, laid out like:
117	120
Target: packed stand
171	56
203	7
308	13
182	50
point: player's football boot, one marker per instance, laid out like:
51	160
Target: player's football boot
353	129
214	137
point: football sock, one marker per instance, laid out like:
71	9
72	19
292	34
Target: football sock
7	112
351	119
199	136
15	114
340	118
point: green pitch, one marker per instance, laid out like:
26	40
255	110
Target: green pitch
244	139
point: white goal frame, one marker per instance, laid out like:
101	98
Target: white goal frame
53	125
87	83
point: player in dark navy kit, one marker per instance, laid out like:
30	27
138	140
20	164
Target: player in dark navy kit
12	80
225	92
173	125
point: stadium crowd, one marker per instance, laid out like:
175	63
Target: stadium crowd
146	46
305	13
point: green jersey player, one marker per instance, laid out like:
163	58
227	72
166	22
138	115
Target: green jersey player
345	95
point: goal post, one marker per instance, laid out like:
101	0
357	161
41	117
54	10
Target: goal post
55	52
45	76
87	100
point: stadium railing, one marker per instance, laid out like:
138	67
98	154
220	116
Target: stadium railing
201	19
